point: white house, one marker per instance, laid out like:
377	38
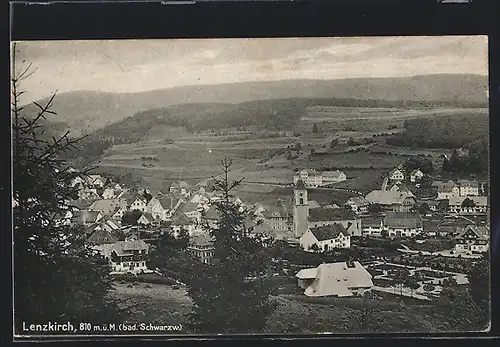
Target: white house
468	204
156	209
469	188
447	190
311	178
396	175
146	219
325	238
392	201
402	224
416	175
473	239
343	279
108	193
328	177
372	226
126	256
117	214
136	203
96	181
358	204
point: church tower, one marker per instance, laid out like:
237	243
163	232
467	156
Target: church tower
300	209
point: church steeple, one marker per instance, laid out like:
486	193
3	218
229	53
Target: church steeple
300	209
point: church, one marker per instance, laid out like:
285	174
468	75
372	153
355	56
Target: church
306	216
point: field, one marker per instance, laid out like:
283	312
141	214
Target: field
160	304
261	157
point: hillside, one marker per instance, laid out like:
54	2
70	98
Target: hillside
89	110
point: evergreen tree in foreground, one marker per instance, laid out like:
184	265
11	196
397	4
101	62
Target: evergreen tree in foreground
231	294
56	277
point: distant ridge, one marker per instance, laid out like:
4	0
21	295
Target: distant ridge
91	110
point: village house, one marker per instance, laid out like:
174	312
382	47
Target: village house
311	178
400	187
117	214
201	247
416	175
329	177
182	222
180	187
392	201
328	216
108	192
159	206
342	279
372	226
126	256
106	207
146	219
313	204
88	194
469	188
468	205
325	238
473	239
78	180
193	211
278	218
96	181
358	204
448	190
314	179
396	174
101	237
403	224
133	202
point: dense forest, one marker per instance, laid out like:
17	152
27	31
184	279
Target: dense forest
451	131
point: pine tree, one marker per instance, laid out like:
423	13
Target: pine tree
56	277
230	295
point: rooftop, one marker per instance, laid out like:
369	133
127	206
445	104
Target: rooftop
330	214
329	232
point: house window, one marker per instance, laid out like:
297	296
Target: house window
301	201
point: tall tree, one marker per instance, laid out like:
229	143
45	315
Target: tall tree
231	294
56	276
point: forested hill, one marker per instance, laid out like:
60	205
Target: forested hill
91	110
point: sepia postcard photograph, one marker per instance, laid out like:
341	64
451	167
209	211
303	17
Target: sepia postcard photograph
187	187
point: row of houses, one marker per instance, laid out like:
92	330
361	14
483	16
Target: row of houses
451	189
398	174
314	179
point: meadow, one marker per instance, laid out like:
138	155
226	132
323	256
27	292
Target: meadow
163	304
261	157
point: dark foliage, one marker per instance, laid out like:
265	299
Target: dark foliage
56	277
131	217
441	132
231	295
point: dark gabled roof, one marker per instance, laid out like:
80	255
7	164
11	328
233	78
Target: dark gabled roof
212	213
182	219
329	232
330	214
167	201
102	236
371	222
479	231
406	220
300	185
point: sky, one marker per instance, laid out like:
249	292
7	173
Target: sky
127	66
